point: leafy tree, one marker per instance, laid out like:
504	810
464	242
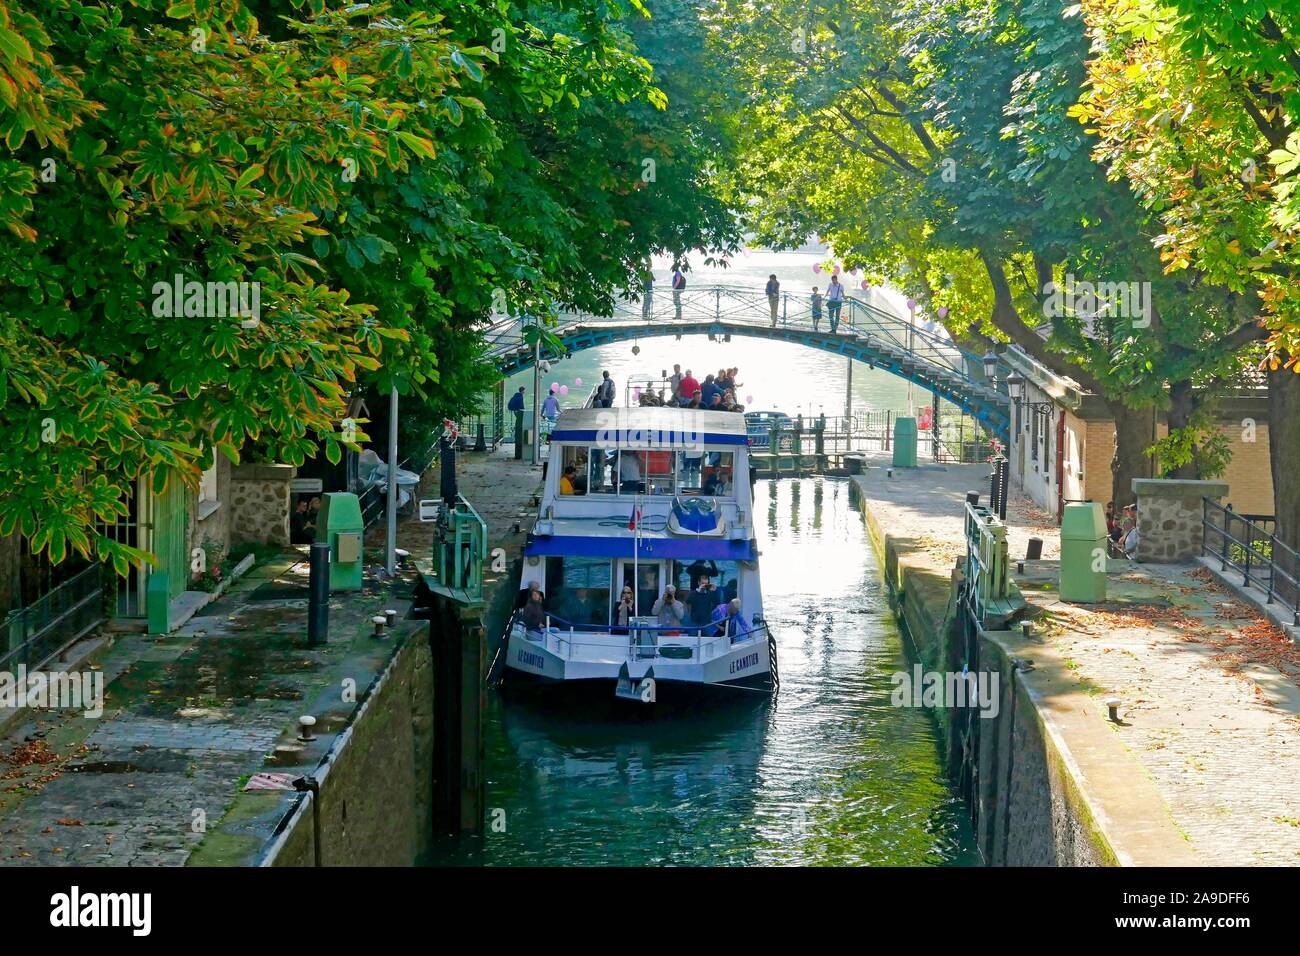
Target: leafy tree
1195	107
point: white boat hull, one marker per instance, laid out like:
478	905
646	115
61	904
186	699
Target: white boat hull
565	656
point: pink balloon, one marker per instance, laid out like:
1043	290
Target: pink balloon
749	399
853	271
555	386
636	394
577	382
817	268
943	312
836	270
911	305
564	390
865	285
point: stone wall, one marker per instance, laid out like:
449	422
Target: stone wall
376	791
1170	513
259	504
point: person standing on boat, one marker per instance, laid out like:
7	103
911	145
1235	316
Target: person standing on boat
605	397
624	611
534	613
675	384
671	611
702	601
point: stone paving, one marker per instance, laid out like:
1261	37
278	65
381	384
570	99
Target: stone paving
1210	688
187	719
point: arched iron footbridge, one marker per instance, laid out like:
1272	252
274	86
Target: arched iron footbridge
921	353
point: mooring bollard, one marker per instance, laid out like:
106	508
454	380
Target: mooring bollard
318	594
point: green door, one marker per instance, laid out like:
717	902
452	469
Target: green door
170	533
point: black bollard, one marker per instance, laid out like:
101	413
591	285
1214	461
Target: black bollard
1035	549
318	594
447	471
480	439
973	499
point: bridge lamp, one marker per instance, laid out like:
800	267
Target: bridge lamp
990	365
1015	384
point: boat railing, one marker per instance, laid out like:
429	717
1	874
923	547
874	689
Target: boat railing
699	638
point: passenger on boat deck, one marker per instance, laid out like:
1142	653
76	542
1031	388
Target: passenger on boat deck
670	610
701	602
736	622
566	480
624	611
699	568
534	613
521	600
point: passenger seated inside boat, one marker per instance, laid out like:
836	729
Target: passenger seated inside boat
567	479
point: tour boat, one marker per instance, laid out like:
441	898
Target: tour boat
637	500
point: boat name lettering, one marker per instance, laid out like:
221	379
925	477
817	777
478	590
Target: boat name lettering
531	659
749	660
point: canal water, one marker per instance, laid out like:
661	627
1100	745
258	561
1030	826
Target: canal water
828	773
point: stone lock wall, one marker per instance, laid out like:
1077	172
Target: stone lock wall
1169	516
259	498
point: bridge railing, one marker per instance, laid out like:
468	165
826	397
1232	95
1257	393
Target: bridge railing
750	306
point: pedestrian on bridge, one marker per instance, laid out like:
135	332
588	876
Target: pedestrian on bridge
816	308
773	291
834	301
647	295
679	284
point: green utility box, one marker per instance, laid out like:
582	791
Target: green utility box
904	442
340	526
157	601
1083	553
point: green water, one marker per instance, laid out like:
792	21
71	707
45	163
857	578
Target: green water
828	773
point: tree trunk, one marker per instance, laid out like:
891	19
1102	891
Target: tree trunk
1284	452
1132	439
1182	402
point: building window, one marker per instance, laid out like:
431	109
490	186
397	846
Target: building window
208	502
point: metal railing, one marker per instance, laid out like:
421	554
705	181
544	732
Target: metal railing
372	499
32	635
696	638
926	341
1245	546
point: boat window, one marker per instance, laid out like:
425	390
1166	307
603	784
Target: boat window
723	574
602	471
577	590
705	473
645	582
575	458
646	472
